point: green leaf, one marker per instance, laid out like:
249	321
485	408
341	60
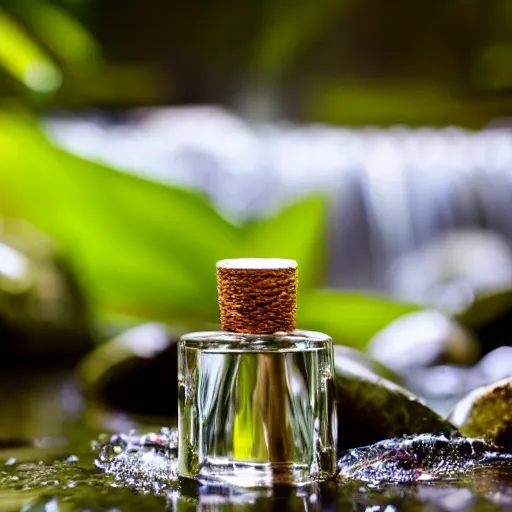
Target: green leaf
143	248
291	28
59	31
350	318
24	59
298	233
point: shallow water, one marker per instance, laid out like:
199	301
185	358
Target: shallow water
138	472
61	486
61	471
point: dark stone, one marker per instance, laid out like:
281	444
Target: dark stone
43	312
136	372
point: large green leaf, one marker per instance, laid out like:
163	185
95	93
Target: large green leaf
350	318
140	245
143	248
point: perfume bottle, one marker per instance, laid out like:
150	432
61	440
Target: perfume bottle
256	400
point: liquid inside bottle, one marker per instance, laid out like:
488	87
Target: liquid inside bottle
255	410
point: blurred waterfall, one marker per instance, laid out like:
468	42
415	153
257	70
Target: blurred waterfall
408	206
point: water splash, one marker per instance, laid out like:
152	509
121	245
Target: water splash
148	462
145	462
466	470
420	458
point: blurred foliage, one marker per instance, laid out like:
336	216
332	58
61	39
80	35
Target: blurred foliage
25	60
285	35
56	60
148	250
338	61
68	40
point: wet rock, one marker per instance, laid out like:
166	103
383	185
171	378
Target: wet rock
423	339
42	309
487	412
372	408
342	353
420	458
134	372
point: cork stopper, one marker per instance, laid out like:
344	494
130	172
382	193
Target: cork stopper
257	295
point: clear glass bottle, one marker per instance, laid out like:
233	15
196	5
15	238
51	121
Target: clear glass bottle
255	410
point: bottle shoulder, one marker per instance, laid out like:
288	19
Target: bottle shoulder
229	337
295	341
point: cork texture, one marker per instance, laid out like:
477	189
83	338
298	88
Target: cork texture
256	300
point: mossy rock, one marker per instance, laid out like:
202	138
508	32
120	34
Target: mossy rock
372	408
487	413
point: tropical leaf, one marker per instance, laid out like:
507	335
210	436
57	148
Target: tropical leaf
141	246
58	30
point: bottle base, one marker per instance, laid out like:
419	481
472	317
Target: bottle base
253	475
